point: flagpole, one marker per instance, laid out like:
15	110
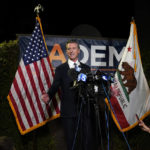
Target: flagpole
132	19
37	10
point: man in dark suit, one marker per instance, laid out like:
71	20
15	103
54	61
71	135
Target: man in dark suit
69	101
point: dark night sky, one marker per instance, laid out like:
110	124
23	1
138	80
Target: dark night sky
110	18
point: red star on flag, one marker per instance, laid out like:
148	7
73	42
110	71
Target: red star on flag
129	49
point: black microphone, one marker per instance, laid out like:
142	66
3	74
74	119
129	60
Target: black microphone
85	69
73	74
104	76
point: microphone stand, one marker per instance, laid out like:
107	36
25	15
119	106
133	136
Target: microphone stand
106	94
97	118
80	96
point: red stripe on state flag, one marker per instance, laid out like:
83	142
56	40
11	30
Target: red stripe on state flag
119	113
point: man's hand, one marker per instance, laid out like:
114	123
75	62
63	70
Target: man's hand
45	97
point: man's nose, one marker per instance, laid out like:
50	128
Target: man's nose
71	50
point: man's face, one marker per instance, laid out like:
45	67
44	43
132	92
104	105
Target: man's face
73	51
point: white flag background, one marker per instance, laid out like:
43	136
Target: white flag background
130	90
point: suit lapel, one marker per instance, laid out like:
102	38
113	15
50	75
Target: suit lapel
66	66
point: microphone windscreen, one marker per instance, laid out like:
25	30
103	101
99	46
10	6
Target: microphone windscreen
82	77
85	69
73	74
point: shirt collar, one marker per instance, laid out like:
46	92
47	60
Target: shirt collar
71	63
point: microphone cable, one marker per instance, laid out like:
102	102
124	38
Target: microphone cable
115	117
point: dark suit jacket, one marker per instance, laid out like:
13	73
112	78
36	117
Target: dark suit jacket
68	95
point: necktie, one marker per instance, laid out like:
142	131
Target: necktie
75	65
77	68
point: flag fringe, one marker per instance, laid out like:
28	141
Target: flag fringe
32	128
116	122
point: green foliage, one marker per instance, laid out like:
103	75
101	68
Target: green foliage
9	54
36	140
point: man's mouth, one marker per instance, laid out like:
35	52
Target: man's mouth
71	54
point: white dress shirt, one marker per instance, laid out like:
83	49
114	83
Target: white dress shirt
71	63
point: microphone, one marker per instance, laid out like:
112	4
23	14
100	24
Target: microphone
85	69
80	74
73	74
85	74
104	76
82	77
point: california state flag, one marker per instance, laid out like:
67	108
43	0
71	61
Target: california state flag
130	89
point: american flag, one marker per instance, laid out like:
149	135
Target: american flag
33	76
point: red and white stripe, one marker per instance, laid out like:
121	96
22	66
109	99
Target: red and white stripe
26	91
